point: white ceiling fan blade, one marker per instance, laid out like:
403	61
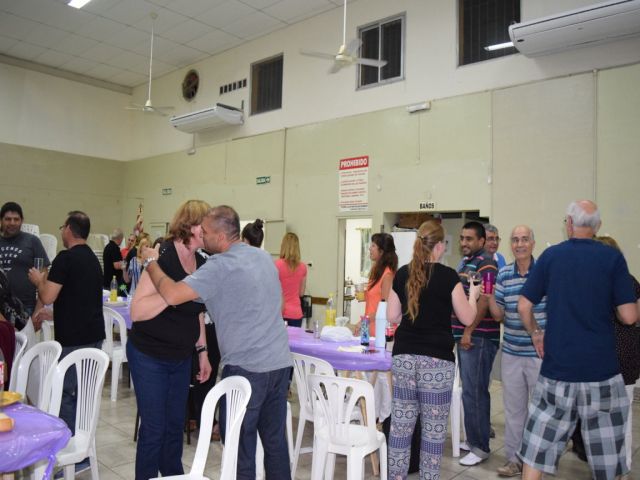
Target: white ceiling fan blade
163	111
309	53
353	46
336	67
370	62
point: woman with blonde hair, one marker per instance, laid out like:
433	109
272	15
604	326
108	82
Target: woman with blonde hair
161	344
423	296
293	278
133	267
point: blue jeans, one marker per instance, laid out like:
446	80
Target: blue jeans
266	414
162	387
475	373
69	401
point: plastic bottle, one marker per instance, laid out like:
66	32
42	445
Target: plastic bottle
316	328
388	336
364	331
113	295
381	323
330	312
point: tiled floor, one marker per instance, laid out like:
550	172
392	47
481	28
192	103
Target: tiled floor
116	449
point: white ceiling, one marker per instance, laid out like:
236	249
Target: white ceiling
109	39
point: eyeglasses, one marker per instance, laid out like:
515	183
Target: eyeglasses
493	239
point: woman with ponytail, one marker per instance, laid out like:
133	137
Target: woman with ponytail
382	253
423	296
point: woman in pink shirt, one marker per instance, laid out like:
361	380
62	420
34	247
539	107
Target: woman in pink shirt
293	278
382	252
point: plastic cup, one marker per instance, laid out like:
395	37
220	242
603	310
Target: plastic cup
488	281
38	263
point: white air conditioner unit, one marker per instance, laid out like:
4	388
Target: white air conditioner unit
599	23
214	117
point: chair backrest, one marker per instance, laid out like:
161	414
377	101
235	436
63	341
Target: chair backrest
112	317
91	366
30	333
334	401
303	366
36	369
238	391
50	244
30	228
21	347
47	330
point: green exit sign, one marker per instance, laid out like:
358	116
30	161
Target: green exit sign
263	180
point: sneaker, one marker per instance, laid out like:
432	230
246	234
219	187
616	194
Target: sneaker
510	469
471	459
465	446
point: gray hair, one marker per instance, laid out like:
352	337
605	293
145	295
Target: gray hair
117	233
581	218
531	234
490	228
226	219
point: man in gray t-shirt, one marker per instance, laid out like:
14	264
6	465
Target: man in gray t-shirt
18	250
242	292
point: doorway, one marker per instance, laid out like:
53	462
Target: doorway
355	236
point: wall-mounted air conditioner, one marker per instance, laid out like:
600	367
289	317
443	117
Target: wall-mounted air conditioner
214	117
599	23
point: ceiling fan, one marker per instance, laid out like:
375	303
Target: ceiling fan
347	54
148	107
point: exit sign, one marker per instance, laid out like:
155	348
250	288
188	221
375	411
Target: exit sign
427	205
263	180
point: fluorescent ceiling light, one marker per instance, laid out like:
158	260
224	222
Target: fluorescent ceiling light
498	46
78	3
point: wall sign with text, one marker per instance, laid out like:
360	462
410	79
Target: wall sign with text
353	184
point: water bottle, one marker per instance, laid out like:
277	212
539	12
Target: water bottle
330	312
381	323
316	328
364	331
113	294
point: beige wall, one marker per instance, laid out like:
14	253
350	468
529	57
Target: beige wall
49	184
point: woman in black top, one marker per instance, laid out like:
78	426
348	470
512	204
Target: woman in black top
160	349
423	297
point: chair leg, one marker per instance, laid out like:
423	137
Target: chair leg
289	433
259	459
93	461
319	460
383	460
330	466
354	467
115	369
454	413
302	421
69	472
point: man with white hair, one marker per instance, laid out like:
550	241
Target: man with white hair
584	281
520	362
112	259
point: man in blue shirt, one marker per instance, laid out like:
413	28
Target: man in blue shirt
493	243
520	362
584	282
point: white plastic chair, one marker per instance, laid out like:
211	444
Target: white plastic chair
456	413
30	332
31	228
21	347
50	244
303	366
47	330
238	391
334	401
36	369
91	366
117	351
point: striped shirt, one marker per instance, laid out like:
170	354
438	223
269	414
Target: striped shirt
488	327
516	340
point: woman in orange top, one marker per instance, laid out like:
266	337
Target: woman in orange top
382	251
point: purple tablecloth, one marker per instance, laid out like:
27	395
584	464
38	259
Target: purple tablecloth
36	436
303	342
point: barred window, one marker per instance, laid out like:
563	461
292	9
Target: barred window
483	23
266	85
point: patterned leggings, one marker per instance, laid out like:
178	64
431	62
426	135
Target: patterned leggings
421	385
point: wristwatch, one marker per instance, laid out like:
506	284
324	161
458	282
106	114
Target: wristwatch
201	348
146	263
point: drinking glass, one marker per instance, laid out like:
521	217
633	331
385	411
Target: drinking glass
38	263
475	278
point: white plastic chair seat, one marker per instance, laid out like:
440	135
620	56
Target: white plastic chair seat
73	452
352	437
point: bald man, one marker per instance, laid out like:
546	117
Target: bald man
520	361
584	282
